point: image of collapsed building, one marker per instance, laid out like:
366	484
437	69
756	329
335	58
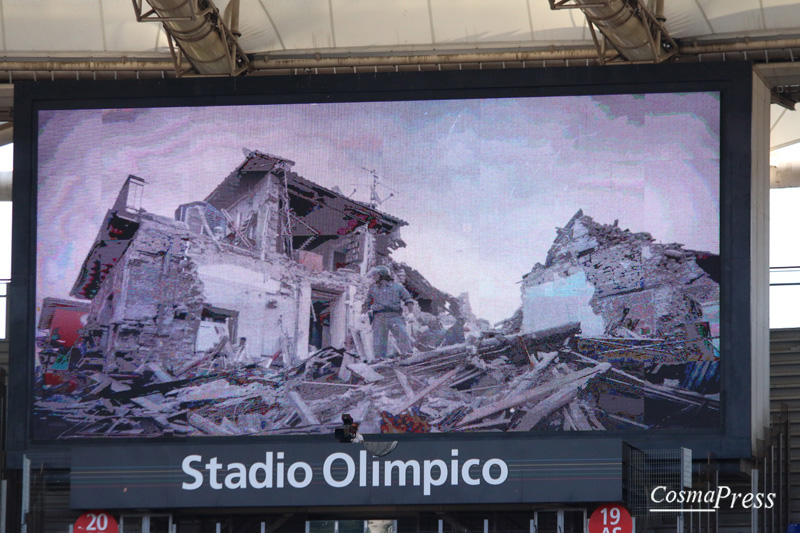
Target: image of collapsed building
243	315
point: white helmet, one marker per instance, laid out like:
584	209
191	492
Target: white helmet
381	271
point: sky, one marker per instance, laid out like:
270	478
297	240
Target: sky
784	252
483	184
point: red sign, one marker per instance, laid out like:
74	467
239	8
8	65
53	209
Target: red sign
611	518
96	522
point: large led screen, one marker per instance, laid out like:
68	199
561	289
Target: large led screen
515	264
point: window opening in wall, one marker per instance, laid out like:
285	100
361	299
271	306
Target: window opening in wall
130	524
547	522
574	520
321	526
351	526
217	327
356	526
155	523
320	323
339	259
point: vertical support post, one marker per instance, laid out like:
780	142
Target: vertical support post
339	321
26	493
754	490
303	315
485	525
366	252
767	475
3	504
441	526
781	477
787	486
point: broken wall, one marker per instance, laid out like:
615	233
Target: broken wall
255	218
611	279
148	307
251	288
560	301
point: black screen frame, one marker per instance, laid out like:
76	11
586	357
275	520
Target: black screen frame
732	80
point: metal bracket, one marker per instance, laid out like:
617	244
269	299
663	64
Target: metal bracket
151	16
658	35
237	57
782	99
565	4
238	60
661	44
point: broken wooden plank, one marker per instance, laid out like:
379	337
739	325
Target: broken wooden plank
205	425
550	404
533	394
403	380
366	372
344	372
304	409
147	403
424	392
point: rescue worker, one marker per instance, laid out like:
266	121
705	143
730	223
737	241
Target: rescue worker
385	302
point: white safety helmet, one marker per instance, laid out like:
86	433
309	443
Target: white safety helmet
381	271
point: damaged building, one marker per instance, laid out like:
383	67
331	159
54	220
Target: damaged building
266	270
651	309
242	316
268	264
623	284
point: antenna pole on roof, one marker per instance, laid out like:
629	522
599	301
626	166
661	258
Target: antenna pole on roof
374	199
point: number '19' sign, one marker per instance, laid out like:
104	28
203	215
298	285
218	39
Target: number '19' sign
610	518
96	522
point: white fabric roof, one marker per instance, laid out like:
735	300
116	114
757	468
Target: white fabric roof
32	28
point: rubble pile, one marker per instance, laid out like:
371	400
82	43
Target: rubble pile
623	284
522	382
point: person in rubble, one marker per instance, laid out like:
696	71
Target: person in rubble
384	303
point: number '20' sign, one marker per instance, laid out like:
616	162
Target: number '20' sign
610	518
96	522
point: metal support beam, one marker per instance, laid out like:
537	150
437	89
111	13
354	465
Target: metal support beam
197	33
782	100
628	25
778	73
301	60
